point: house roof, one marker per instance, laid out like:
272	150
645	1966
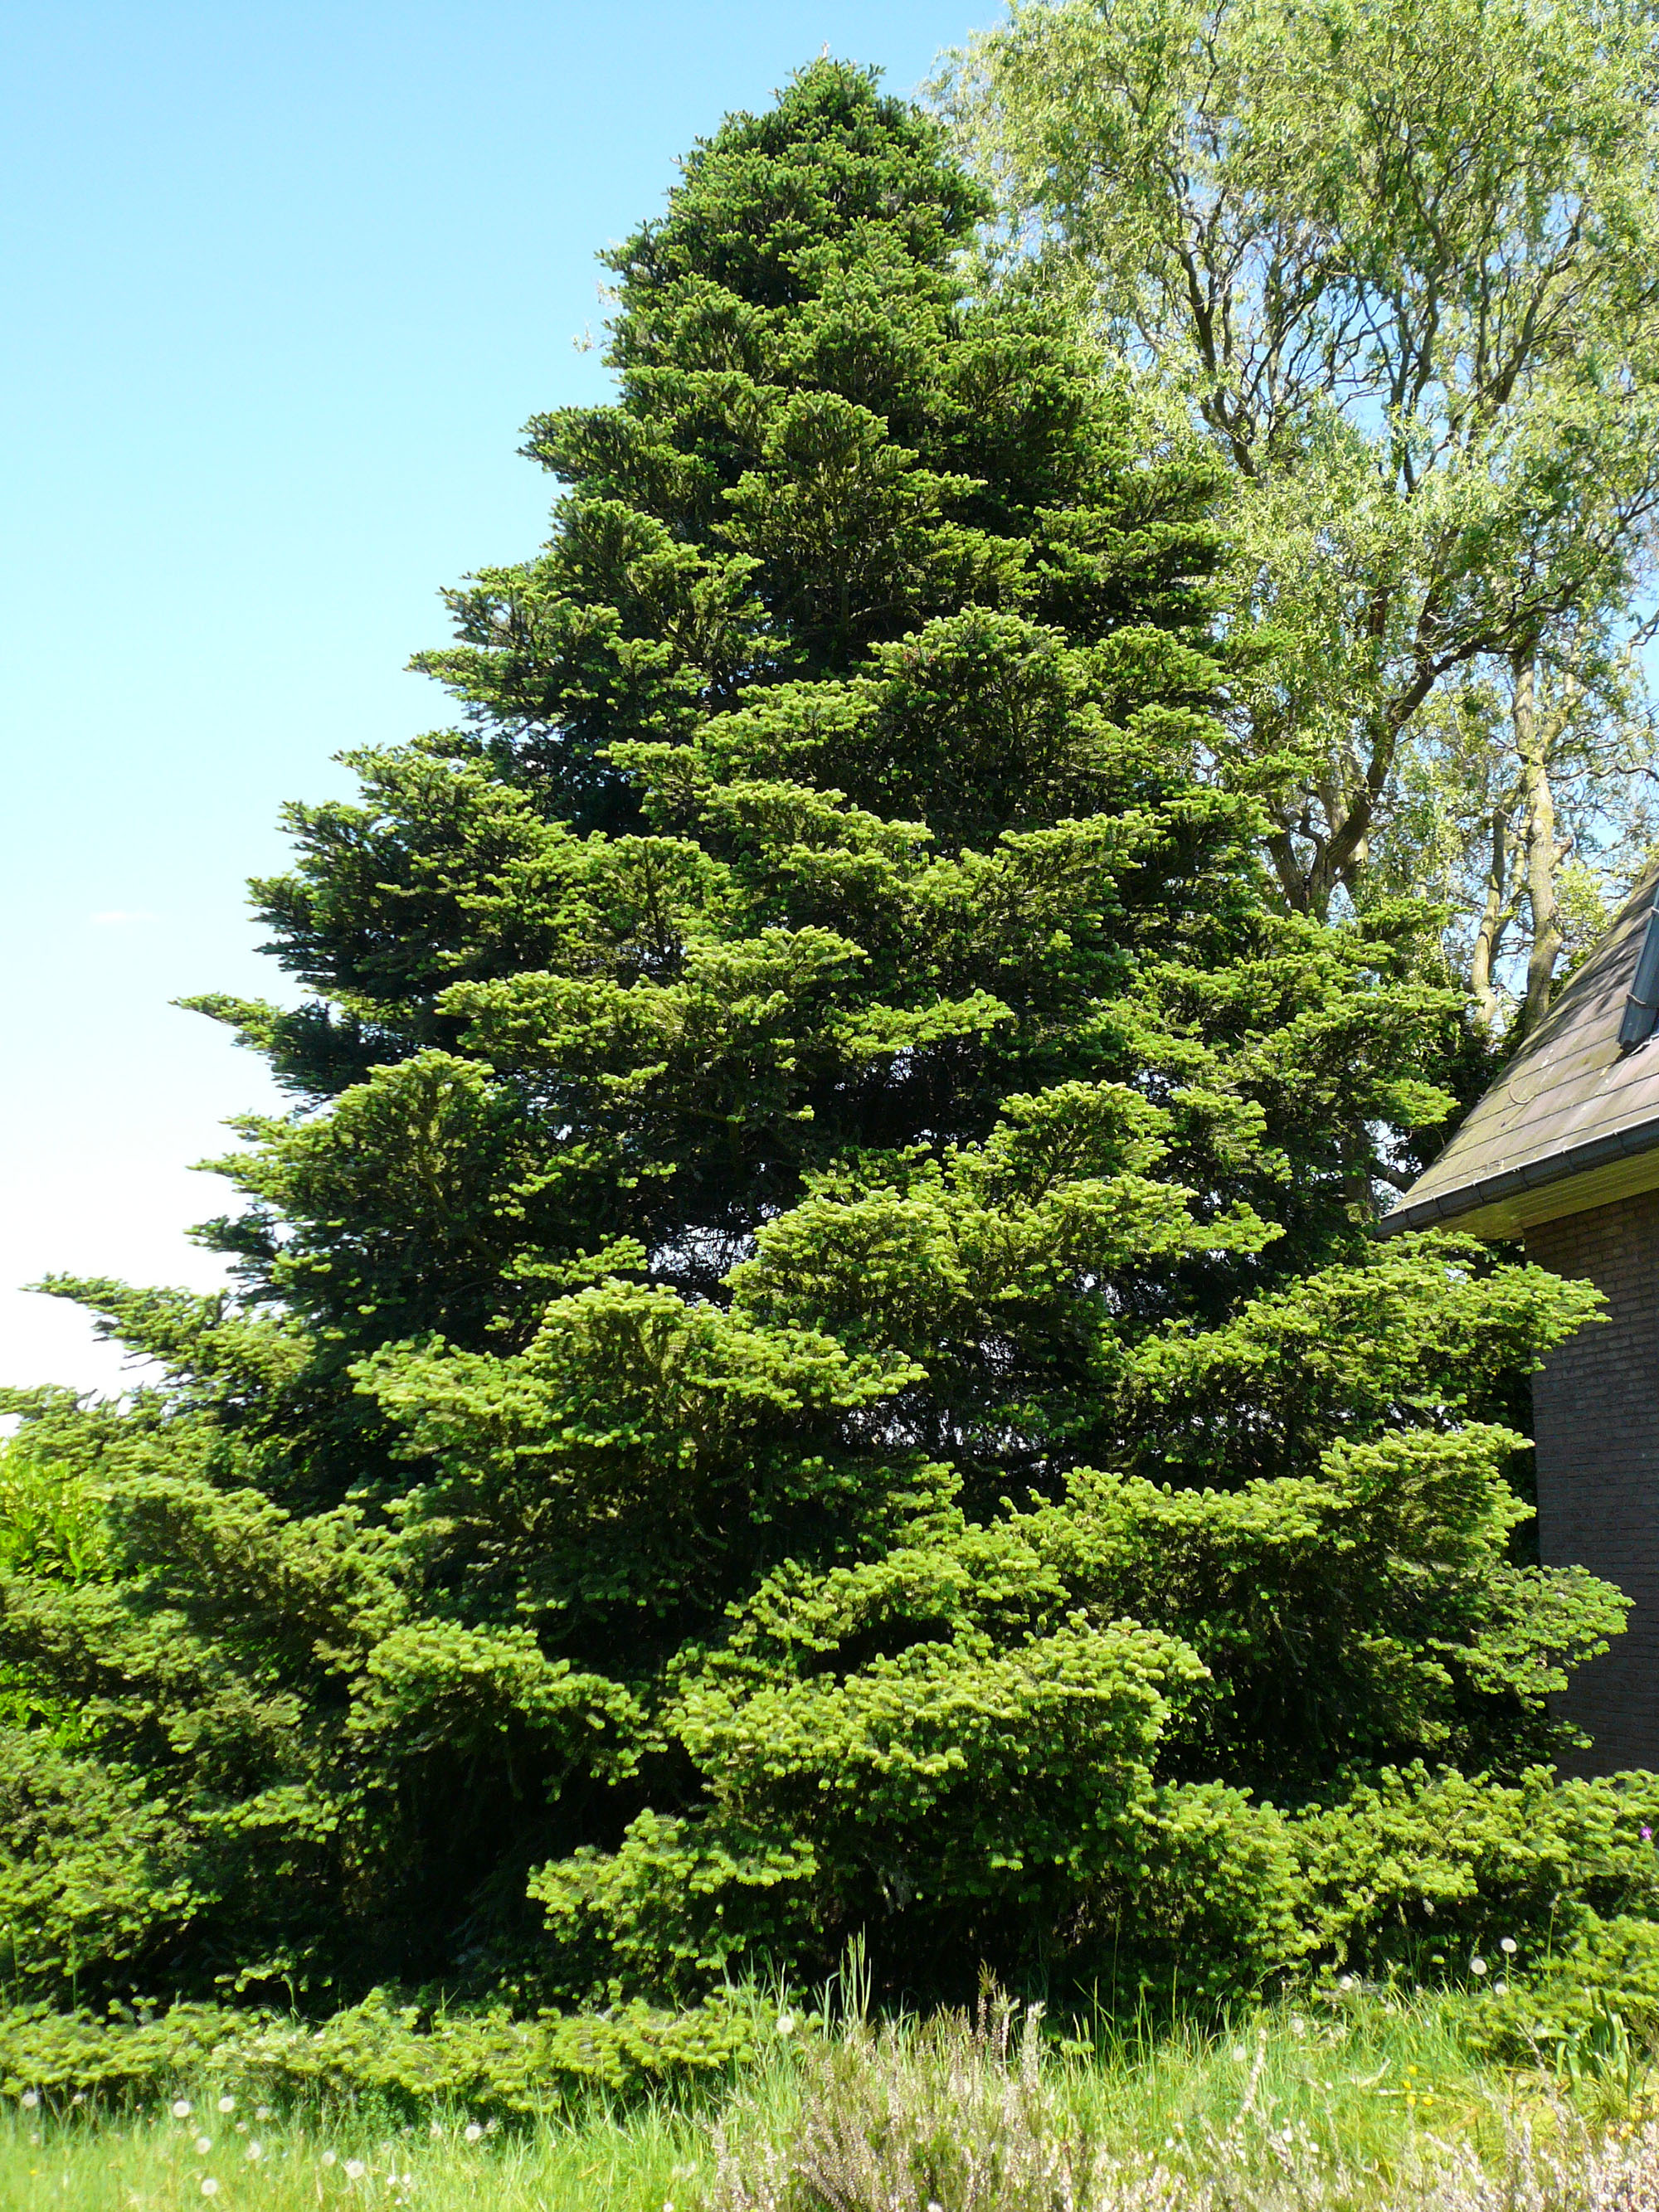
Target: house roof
1573	1122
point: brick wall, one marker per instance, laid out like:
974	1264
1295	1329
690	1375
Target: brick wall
1597	1420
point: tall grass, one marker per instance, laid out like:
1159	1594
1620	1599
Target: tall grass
981	2117
1367	2101
91	2161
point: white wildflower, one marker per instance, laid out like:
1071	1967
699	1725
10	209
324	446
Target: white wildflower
262	2111
79	2098
354	2169
227	2103
203	2145
210	2187
786	2023
181	2108
256	2151
328	2157
1240	2054
1347	1982
1500	1989
1298	2025
472	2131
1477	1965
29	2099
1507	1945
436	2129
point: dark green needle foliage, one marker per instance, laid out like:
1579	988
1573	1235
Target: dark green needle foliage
807	1359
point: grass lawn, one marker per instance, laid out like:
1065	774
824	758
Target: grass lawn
1374	2102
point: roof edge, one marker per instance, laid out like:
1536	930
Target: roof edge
1430	1213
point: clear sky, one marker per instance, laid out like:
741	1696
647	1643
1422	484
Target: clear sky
281	285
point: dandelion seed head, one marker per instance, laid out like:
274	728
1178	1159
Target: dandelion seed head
786	2023
210	2187
79	2098
181	2108
1240	2054
1477	1965
227	2103
1500	1989
262	2111
1506	1945
435	2129
354	2169
328	2157
29	2099
472	2131
256	2151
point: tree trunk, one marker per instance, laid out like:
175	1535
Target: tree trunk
1493	921
1543	855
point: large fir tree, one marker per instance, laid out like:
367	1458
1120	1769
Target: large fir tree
807	1359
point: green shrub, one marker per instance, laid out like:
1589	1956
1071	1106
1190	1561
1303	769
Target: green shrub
487	2059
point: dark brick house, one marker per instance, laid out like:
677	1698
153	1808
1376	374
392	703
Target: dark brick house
1563	1153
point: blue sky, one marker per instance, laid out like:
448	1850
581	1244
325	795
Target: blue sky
282	284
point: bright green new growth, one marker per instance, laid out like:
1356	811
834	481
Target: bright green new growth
809	1360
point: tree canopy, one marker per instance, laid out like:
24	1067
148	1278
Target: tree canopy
1395	264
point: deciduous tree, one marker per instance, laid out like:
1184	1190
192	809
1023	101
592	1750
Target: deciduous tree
1394	263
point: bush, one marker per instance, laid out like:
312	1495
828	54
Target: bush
487	2059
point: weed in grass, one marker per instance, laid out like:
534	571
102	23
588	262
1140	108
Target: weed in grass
957	2113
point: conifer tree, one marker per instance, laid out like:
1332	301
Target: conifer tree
807	1359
